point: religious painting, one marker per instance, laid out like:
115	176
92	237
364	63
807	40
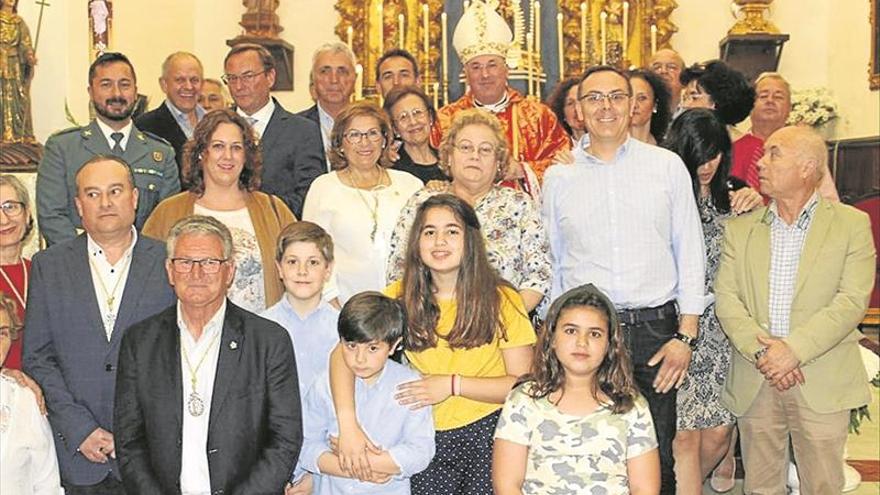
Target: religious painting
874	70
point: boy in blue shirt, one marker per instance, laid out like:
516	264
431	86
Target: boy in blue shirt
371	327
304	255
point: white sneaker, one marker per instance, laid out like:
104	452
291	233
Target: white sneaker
851	478
794	484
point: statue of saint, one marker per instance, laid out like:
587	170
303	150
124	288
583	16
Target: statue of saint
17	61
99	12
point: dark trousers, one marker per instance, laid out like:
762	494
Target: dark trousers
644	339
108	486
462	464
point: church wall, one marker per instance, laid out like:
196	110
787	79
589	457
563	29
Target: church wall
824	49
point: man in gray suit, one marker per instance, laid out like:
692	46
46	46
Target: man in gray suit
291	145
113	92
83	294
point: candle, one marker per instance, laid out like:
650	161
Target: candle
358	82
401	34
583	35
537	29
444	56
530	40
349	32
436	94
653	38
381	27
603	19
425	48
625	28
560	46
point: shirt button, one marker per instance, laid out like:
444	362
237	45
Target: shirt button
109	367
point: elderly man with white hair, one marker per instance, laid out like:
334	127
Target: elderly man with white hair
792	319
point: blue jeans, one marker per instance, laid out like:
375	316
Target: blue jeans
644	340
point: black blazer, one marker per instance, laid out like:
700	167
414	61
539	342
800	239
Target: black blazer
255	427
293	156
312	114
160	122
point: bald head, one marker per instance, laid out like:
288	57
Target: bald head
794	161
668	64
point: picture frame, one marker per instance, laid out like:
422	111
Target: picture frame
874	64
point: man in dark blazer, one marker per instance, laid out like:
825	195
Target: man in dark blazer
331	84
292	148
207	399
83	294
176	118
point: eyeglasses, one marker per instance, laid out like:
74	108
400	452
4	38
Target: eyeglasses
12	209
597	99
208	265
245	78
416	114
354	136
468	148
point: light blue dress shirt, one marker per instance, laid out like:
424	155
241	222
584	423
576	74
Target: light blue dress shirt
407	435
629	226
313	337
182	120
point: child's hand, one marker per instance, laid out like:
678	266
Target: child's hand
302	487
351	449
430	390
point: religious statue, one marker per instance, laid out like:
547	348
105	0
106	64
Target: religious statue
99	13
17	61
260	19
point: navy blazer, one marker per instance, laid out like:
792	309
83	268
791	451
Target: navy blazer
66	349
161	122
293	156
255	425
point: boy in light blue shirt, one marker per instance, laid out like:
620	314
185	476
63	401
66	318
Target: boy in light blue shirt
304	255
370	327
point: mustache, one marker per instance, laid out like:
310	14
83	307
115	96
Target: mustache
111	101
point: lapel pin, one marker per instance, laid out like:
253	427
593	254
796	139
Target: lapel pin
233	345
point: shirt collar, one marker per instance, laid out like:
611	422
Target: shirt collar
106	130
803	219
214	325
321	307
497	107
180	115
262	115
324	117
96	250
584	144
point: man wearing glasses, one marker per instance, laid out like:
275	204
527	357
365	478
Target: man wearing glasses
291	145
207	399
83	295
623	217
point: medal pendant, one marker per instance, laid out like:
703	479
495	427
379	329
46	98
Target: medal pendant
195	405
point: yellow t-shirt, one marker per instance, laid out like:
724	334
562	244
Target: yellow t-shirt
483	361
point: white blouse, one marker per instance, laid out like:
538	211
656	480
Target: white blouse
28	465
360	222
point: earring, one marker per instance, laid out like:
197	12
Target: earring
655	109
200	156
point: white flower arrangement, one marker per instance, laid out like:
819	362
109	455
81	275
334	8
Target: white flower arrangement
814	107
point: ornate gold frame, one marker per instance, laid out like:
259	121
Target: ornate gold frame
874	63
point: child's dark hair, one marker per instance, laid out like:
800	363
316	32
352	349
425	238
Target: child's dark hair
614	376
477	289
371	316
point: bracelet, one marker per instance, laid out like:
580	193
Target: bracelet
687	339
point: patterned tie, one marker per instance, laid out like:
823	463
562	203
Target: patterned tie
117	147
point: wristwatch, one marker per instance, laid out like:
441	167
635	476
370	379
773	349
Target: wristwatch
687	339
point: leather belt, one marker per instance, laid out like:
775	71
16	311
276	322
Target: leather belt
641	315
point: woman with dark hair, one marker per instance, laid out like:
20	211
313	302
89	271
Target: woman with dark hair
651	114
222	164
717	86
704	424
359	202
563	101
412	115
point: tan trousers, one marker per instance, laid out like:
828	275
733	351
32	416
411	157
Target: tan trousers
818	441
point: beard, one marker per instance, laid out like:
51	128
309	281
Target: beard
104	110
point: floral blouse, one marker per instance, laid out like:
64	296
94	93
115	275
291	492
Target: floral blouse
516	242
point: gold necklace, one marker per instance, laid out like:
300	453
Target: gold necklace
21	298
195	405
374	210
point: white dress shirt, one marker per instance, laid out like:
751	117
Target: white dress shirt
107	131
326	122
195	477
109	280
261	117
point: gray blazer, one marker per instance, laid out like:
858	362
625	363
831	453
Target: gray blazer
66	350
150	157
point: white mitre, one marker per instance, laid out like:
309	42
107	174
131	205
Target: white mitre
482	31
